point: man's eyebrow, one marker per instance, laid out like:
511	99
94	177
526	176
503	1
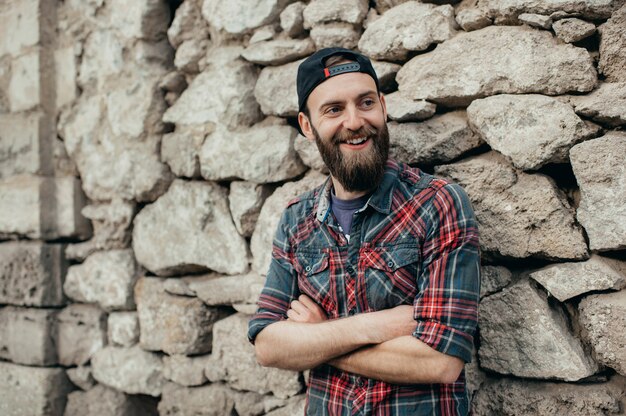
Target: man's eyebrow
335	102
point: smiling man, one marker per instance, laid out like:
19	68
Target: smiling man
374	279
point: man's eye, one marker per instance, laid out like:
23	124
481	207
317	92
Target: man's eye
333	110
368	102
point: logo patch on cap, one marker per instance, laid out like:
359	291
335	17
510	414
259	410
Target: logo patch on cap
340	69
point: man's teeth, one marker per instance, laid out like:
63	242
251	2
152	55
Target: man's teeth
357	140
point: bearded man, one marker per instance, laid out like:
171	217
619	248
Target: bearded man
374	279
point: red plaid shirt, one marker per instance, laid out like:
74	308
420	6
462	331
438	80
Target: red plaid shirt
414	242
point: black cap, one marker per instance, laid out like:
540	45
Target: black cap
312	70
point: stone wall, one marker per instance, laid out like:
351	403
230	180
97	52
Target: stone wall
147	149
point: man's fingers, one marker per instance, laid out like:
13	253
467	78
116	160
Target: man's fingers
308	303
298	307
291	314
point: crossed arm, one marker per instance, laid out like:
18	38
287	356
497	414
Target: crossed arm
377	345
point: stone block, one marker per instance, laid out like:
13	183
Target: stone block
25	91
24	145
493	279
32	391
241	16
173	324
309	153
606	104
275	90
472	19
142	19
28	335
225	290
572	30
41	207
536	20
32	274
104	401
613	46
123	329
400	108
340	34
19	26
245	201
82	332
279	51
325	11
186	371
65	76
509	10
188	24
180	151
81	377
291	19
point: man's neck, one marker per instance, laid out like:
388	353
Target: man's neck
341	193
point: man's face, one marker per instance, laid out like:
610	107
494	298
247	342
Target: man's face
348	124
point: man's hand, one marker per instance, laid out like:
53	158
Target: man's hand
306	310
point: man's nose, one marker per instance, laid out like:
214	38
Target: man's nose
353	121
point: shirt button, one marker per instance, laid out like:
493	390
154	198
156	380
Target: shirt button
307	268
351	312
390	264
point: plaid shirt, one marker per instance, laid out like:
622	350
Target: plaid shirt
414	242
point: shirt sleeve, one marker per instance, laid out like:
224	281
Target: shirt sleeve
446	307
281	285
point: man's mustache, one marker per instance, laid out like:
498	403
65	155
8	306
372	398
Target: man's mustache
344	135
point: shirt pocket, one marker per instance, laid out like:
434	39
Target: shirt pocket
391	276
315	279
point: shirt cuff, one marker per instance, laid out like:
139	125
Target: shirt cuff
257	324
445	339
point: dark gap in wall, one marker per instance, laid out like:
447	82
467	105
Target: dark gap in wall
174	4
563	176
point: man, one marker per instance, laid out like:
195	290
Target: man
374	277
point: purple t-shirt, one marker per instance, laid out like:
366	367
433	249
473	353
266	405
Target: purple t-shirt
343	209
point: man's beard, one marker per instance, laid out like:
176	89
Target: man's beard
360	170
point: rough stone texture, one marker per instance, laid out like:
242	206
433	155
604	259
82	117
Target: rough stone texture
233	361
519	215
261	243
497	59
264	33
39	207
233	106
189	229
472	19
440	139
24	90
530	130
508	10
416	27
386	73
612	47
241	16
65	80
225	290
19	26
82	332
261	154
31	274
400	108
81	377
605	105
23	144
129	370
188	24
123	329
295	407
173	324
510	397
521	335
310	155
291	19
32	391
186	371
573	30
603	318
28	335
493	279
106	278
474	376
104	401
536	20
245	201
279	51
326	11
601	174
335	34
276	90
567	280
189	54
180	151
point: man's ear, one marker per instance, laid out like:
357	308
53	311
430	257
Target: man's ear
305	126
383	103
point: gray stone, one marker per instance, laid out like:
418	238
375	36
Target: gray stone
279	51
573	30
65	76
233	106
186	371
42	207
106	278
130	370
28	335
291	19
523	336
262	34
19	26
536	20
508	10
104	401
173	324
241	16
233	360
606	104
24	144
81	377
511	397
600	172
188	24
261	243
32	273
603	319
327	11
612	46
472	19
474	375
530	130
309	153
25	90
111	228
82	332
386	73
225	290
245	200
276	90
144	19
400	108
189	229
493	279
415	27
519	215
439	139
494	60
296	406
383	5
189	53
181	148
123	329
340	34
567	280
32	391
102	58
261	154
